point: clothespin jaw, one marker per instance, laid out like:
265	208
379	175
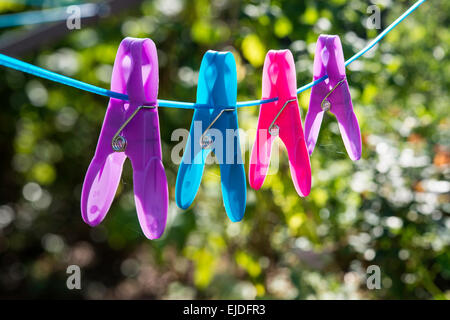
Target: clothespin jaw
214	128
280	118
332	95
130	129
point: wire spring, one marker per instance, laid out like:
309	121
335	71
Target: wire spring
119	142
326	104
206	140
274	129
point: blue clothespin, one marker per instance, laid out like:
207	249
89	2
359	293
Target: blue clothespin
214	128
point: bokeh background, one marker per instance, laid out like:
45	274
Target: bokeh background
390	209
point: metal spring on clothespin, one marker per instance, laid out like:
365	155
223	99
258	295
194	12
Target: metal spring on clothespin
119	143
273	128
326	104
206	140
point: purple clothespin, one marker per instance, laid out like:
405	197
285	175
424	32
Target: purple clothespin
130	129
332	94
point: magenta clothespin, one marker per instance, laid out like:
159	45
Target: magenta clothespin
332	94
280	118
130	129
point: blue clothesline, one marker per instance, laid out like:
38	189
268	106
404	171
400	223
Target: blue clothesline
46	74
49	15
43	3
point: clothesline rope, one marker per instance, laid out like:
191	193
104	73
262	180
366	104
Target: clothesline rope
53	76
87	10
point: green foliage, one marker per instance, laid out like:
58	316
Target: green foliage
391	208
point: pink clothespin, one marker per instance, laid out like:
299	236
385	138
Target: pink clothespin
332	94
130	129
280	118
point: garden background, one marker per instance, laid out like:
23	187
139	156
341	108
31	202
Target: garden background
389	209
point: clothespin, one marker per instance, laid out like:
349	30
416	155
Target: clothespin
130	129
280	118
332	95
214	128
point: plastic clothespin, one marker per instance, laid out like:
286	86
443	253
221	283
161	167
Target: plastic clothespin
332	94
130	129
214	128
280	118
